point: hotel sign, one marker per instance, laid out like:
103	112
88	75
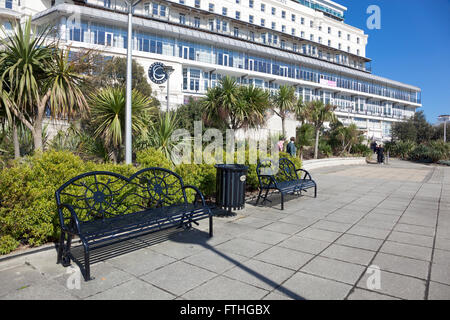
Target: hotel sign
157	73
328	83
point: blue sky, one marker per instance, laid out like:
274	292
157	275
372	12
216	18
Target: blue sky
412	46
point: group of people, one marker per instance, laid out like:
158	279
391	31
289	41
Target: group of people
379	150
290	148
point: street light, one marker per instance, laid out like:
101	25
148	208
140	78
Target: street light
128	127
168	70
445	118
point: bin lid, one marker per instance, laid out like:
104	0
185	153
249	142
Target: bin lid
232	167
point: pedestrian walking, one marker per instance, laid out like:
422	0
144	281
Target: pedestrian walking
291	149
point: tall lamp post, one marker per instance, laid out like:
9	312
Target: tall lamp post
445	118
128	127
168	70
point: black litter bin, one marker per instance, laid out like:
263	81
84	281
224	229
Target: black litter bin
230	186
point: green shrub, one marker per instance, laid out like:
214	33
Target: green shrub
152	157
361	149
202	176
8	244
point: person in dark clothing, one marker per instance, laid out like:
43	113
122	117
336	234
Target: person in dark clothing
380	154
373	146
291	149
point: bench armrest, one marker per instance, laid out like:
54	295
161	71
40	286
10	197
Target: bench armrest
271	179
307	175
198	193
75	222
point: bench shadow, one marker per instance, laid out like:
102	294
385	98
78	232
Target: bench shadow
274	200
198	237
189	236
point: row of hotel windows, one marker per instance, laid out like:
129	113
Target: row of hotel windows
116	37
160	10
223	26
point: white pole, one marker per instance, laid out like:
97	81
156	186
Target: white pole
168	92
128	112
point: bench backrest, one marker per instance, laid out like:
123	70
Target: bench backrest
282	170
102	195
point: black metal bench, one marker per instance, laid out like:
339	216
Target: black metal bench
103	208
284	177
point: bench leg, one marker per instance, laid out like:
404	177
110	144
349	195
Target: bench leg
259	196
64	250
282	200
61	247
210	226
87	265
315	192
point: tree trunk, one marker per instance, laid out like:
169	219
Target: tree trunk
283	126
16	141
316	147
37	136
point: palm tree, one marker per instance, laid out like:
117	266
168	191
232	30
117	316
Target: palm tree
161	135
317	113
108	116
284	102
38	75
236	106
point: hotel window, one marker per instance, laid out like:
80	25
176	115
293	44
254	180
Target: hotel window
181	1
283	14
217	24
320	39
162	11
295	47
263	22
236	32
339	34
293	31
250	18
329	43
197	4
182	19
224	11
263	38
311	37
250	3
274	25
211	7
283	44
252	36
106	4
329	30
348	37
263	7
275	39
302	34
155	9
283	28
224	26
273	11
320	28
211	24
197	22
293	18
348	49
302	20
357	40
238	1
238	15
357	52
147	8
339	46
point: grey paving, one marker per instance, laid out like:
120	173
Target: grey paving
370	225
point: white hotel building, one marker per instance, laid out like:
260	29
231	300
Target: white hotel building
267	43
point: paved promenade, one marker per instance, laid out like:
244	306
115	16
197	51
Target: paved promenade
374	232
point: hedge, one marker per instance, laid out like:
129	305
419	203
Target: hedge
28	212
